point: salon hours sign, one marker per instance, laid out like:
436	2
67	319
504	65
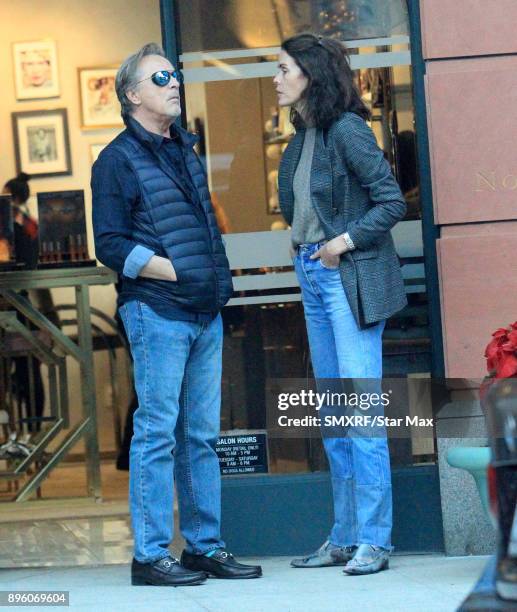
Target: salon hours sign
242	453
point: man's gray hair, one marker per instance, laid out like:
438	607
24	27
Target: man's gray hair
127	75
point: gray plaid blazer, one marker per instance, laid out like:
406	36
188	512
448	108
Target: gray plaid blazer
353	190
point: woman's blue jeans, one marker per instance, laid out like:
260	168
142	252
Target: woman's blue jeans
359	465
177	369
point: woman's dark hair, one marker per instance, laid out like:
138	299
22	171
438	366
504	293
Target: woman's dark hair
331	90
19	188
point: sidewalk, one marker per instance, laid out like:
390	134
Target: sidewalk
424	583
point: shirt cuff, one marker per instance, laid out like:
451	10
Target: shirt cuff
136	260
348	241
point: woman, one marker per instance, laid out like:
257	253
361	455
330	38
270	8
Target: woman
339	196
26	248
25	227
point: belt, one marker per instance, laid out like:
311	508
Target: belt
310	245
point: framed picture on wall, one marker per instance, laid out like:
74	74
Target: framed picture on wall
35	69
41	143
100	107
95	150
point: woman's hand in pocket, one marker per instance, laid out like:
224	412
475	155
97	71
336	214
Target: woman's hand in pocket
330	252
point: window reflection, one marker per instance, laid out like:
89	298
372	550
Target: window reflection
243	134
229	49
209	25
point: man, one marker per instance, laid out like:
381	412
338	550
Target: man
154	224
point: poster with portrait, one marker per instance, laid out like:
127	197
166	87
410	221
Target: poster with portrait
35	70
41	144
100	107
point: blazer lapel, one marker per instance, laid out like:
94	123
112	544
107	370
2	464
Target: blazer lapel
287	169
321	183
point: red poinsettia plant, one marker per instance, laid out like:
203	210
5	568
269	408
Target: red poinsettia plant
501	353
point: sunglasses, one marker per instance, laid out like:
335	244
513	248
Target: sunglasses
163	77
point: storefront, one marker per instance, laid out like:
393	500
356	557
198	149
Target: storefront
227	50
228	55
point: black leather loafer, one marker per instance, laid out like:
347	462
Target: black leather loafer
165	572
220	565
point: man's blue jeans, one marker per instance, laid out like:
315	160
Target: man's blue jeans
177	369
359	465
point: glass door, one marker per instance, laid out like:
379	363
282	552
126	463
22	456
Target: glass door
228	52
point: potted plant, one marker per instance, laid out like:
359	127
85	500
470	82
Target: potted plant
501	353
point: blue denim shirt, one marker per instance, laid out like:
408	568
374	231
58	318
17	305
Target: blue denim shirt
115	190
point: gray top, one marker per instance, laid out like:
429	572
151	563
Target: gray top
306	227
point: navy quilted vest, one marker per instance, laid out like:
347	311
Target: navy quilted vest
168	222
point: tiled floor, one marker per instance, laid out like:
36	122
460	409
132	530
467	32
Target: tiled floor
66	542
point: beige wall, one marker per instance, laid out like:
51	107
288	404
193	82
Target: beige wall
87	33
